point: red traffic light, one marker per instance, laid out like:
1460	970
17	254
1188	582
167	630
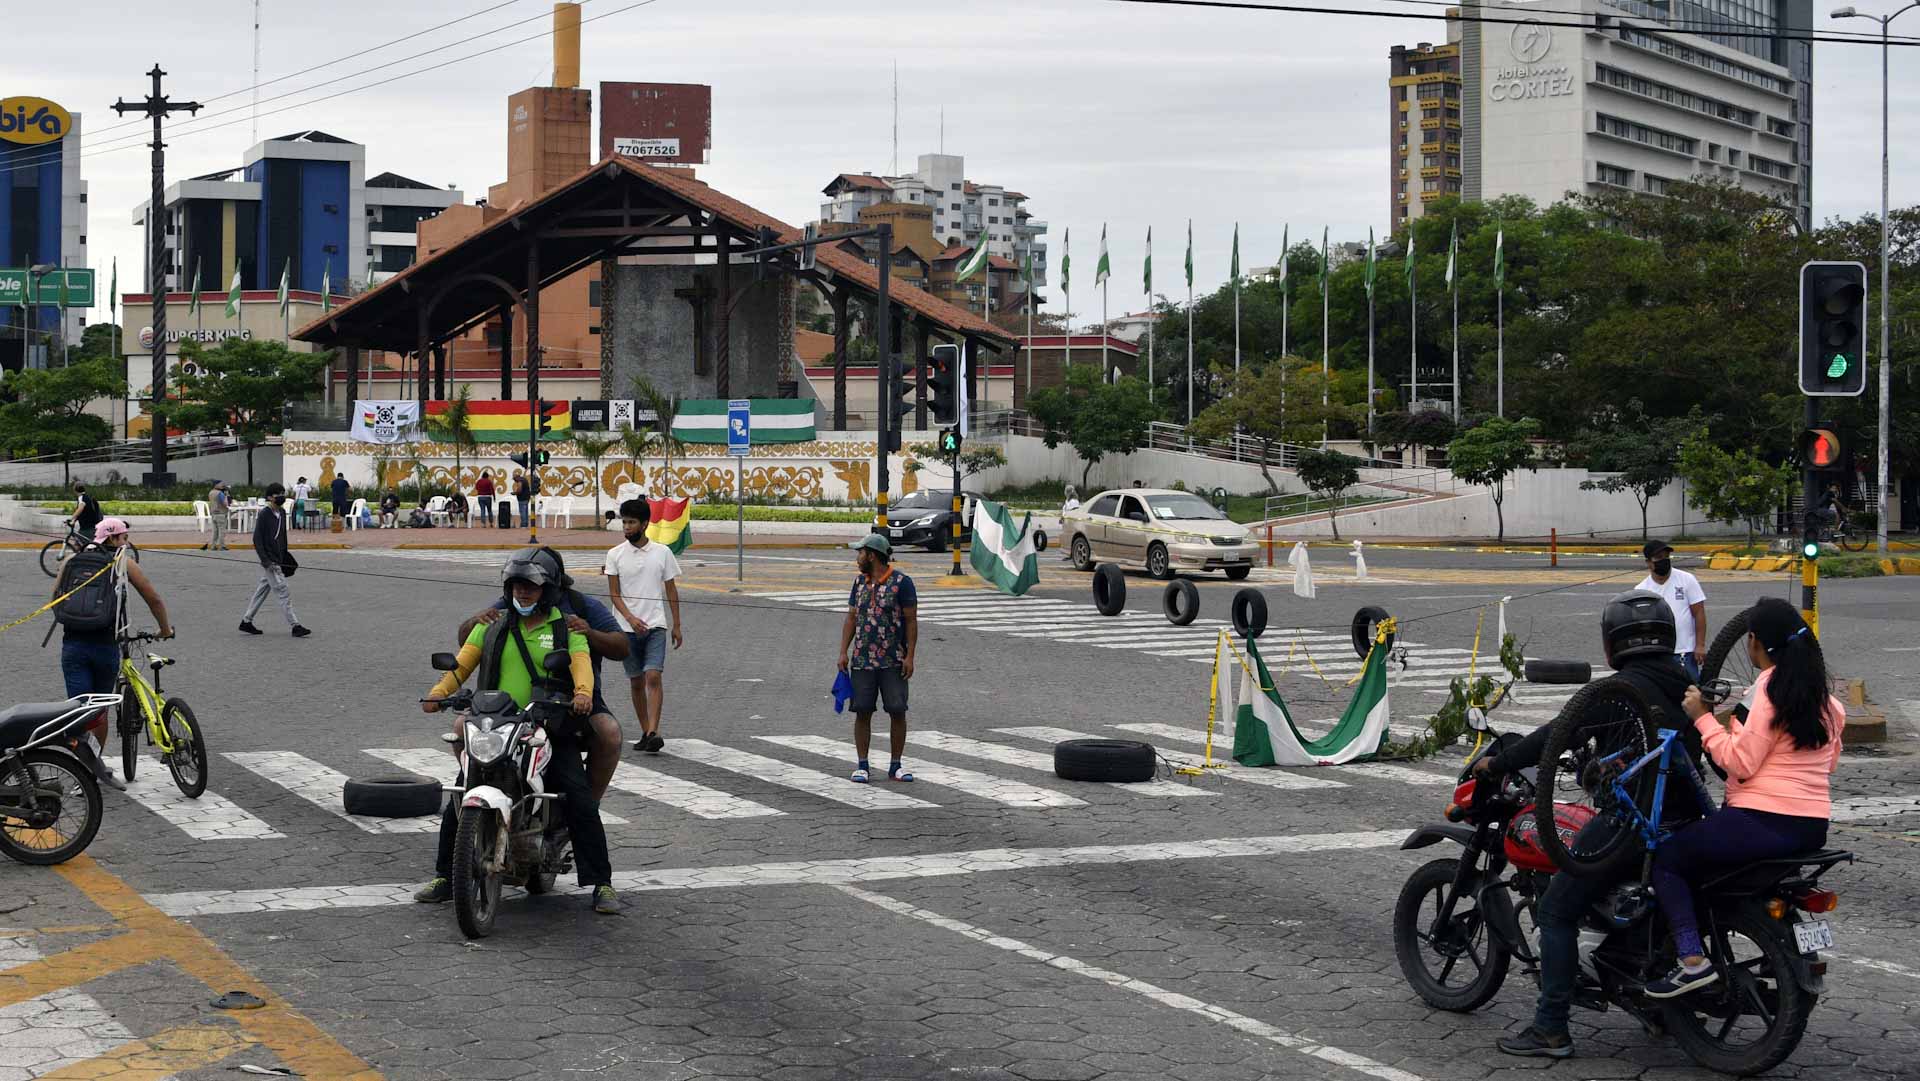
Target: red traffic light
1820	448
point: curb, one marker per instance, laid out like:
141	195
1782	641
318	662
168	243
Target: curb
1725	561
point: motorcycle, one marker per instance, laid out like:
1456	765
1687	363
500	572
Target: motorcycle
509	830
49	801
1461	921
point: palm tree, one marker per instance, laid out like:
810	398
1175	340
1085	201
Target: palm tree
454	426
593	448
665	409
636	443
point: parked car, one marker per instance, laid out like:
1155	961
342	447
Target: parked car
925	520
1164	532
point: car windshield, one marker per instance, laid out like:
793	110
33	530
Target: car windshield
1182	507
916	501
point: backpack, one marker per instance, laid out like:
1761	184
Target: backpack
93	582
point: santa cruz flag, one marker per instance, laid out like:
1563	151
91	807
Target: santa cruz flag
1003	551
1263	731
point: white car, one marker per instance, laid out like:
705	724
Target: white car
1163	532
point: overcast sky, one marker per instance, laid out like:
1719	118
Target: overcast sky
1100	111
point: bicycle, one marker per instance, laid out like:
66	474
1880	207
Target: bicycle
55	552
170	724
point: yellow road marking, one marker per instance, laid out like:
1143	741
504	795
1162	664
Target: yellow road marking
75	966
157	1056
297	1042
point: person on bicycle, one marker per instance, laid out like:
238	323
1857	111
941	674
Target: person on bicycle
90	660
87	514
532	586
1637	632
1778	764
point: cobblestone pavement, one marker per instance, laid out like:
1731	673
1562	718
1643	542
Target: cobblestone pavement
987	921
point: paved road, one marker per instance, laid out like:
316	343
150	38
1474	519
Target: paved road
988	921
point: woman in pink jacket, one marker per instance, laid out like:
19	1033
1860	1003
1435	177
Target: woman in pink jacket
1777	766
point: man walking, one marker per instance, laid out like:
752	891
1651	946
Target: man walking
220	509
877	644
1683	594
276	562
640	578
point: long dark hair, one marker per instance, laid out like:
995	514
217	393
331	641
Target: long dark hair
1798	690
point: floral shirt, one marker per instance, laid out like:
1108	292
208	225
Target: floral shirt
880	620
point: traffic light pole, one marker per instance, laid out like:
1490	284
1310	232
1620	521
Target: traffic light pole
955	462
1810	564
882	329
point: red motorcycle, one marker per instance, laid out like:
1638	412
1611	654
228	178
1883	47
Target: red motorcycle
1461	921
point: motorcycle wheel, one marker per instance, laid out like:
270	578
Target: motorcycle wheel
476	890
1460	967
1602	719
1753	1018
63	819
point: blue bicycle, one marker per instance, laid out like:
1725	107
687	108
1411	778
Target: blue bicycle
1604	780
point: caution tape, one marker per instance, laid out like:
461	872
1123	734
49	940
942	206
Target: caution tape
54	603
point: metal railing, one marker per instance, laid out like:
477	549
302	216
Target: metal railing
133	450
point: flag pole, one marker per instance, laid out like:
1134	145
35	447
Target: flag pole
1413	330
1104	367
1456	340
1326	356
1189	360
1500	365
1029	266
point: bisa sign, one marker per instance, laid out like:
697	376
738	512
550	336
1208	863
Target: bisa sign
31	121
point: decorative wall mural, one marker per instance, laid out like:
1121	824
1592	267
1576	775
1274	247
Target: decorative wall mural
858	477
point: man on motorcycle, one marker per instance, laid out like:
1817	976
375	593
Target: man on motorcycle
532	581
1638	634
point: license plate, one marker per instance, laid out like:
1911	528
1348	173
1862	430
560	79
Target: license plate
1813	935
897	532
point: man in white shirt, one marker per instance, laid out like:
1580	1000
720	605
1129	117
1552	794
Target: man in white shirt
1683	594
640	578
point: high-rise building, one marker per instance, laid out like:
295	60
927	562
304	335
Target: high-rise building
301	204
43	222
1635	95
1423	128
962	209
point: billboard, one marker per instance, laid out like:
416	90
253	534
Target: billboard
663	123
32	121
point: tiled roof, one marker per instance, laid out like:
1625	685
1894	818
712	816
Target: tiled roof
859	180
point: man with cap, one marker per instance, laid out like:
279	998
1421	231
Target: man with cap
877	644
219	508
1683	594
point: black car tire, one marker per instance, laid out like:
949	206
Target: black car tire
938	541
1249	613
1566	673
1239	574
1159	561
1039	540
1366	623
1180	602
1109	589
1123	760
404	796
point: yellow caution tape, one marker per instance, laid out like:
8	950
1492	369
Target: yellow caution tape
52	604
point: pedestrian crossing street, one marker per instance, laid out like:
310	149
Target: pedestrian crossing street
1296	651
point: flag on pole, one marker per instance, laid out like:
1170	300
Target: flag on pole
1103	269
1263	730
1286	233
1235	272
975	262
286	274
113	291
1326	259
1409	257
233	293
1453	252
60	298
1370	262
1500	258
1003	551
1066	262
326	288
1026	269
1147	269
1189	253
193	303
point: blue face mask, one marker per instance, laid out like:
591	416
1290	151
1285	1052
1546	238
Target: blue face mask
526	609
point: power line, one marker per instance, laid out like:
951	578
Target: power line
1867	36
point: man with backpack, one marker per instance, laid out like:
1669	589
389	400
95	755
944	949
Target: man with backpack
276	562
86	511
92	614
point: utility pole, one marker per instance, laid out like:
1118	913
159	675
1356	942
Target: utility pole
158	108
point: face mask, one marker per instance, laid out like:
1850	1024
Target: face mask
279	499
526	609
1663	567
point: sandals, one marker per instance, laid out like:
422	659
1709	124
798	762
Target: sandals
899	774
859	776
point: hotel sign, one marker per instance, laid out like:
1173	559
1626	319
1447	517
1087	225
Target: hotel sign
1530	43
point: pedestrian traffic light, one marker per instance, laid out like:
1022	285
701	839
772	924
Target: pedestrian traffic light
1820	448
520	458
1833	317
764	237
950	442
943	384
544	418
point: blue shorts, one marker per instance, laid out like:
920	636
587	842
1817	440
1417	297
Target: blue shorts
646	652
879	686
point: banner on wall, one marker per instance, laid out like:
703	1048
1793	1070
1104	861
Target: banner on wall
509	421
589	415
380	421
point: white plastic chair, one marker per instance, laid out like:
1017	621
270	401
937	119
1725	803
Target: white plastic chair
238	515
202	516
437	511
550	507
627	491
354	512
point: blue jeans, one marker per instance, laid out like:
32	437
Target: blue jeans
646	652
1566	902
1692	666
1733	836
89	667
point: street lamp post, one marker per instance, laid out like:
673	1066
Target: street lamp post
1886	380
30	314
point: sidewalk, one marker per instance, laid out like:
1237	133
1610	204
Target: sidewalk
706	535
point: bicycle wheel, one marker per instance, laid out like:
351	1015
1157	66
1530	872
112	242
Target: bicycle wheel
1727	658
62	814
1853	538
188	761
1603	728
131	724
51	554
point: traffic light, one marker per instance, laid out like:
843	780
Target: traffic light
764	237
545	418
1810	535
811	235
950	442
520	458
900	373
1820	448
944	385
1833	318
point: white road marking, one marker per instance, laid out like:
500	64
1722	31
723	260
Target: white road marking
1219	1014
440	766
804	872
321	786
1198	737
1157	788
1861	808
982	785
1266	778
787	775
53	1031
1880	966
212	817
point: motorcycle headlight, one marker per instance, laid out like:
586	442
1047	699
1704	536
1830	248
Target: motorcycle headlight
485	746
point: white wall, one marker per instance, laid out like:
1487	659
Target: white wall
1030	462
230	466
1535	504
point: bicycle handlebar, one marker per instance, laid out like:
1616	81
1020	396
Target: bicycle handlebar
145	636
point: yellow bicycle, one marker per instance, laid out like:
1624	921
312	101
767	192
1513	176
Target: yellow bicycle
169	723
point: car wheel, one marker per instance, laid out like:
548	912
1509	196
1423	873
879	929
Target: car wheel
1238	574
1159	563
1082	553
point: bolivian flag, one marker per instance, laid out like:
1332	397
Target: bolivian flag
508	422
670	522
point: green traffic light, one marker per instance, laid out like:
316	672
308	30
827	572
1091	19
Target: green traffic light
1838	367
1811	549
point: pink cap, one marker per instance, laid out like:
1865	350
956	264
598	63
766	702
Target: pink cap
108	527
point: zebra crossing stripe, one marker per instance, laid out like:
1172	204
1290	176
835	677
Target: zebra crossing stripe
1404	774
212	817
320	786
787	775
982	785
51	1032
1025	759
440	766
1263	777
695	799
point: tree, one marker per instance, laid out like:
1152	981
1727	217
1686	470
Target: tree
1095	417
50	414
1486	455
636	443
454	426
593	448
665	409
1639	451
244	385
1276	402
1329	474
1732	486
974	458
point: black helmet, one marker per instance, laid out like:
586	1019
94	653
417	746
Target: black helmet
1637	623
536	565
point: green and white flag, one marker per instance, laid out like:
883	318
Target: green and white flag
1326	260
1146	271
1286	233
1500	258
1410	263
1370	262
1004	552
1234	273
326	288
193	303
113	292
233	293
1066	262
1453	252
773	420
286	274
1263	731
976	262
1103	269
1189	253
